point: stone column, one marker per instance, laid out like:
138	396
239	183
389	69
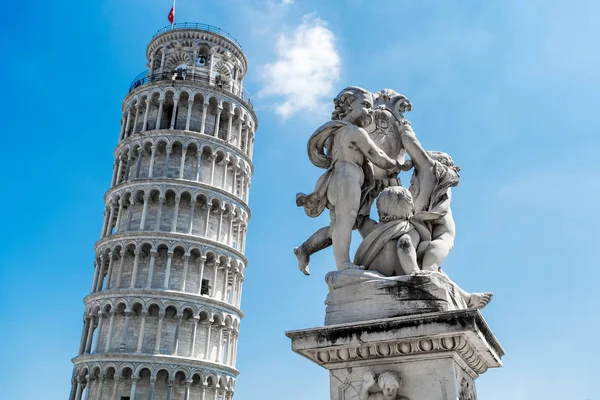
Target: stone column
246	140
175	213
90	336
239	140
142	329
199	166
122	133
152	156
170	390
207	344
104	222
174	116
239	299
144	212
97	267
213	157
225	165
177	330
186	260
128	166
127	123
189	114
214	286
225	283
137	114
161	200
192	210
219	357
120	272
110	270
203	392
186	396
220	224
203	126
168	270
134	381
130	213
123	346
82	342
97	343
80	387
230	232
201	274
229	125
110	220
217	121
136	261
234	288
145	124
101	387
161	317
151	269
116	387
151	391
111	326
193	341
182	164
138	166
207	224
234	183
119	214
161	102
167	162
119	171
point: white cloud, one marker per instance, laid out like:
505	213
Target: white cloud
287	2
306	70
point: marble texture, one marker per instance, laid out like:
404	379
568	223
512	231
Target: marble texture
356	295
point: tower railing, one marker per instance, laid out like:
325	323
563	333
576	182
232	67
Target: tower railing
181	75
202	27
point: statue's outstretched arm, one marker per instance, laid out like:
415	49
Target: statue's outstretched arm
418	155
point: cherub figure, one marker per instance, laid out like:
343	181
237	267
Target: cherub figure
383	131
390	246
345	187
387	385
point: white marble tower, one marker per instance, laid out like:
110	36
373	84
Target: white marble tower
162	318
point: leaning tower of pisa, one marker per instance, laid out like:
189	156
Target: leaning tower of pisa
163	314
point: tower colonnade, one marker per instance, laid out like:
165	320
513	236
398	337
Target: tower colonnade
162	319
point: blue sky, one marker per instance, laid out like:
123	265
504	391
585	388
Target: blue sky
509	88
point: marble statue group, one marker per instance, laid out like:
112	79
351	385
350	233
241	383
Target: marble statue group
362	150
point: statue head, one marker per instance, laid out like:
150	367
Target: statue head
355	105
389	383
394	202
444	159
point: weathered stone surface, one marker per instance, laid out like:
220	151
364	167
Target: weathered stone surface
437	355
357	295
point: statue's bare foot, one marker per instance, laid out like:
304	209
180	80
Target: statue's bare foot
349	265
480	300
303	259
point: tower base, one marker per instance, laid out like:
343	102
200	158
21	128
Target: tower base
436	356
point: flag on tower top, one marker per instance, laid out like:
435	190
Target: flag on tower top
172	15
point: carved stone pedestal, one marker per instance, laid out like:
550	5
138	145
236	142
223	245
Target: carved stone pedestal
436	356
